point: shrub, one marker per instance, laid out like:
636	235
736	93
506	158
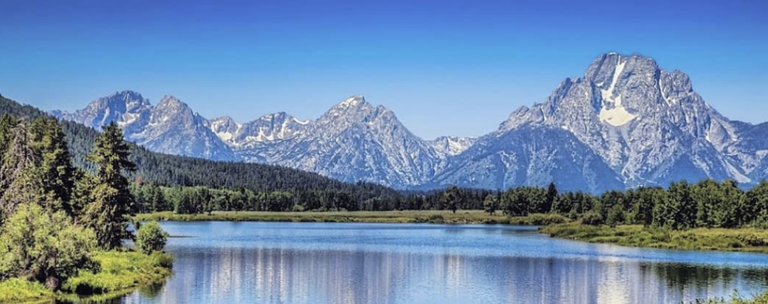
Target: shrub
593	219
44	246
615	216
151	238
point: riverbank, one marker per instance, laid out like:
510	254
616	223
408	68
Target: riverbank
118	273
409	216
736	239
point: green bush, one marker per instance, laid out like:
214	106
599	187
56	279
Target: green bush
44	246
151	238
593	219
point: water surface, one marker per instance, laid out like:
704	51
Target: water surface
252	262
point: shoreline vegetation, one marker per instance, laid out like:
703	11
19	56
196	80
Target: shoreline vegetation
62	229
117	273
406	216
700	239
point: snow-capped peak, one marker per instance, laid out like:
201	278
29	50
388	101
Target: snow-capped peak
352	101
612	112
170	101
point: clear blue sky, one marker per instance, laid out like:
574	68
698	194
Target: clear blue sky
445	67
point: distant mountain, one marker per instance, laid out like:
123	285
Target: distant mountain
174	170
170	127
353	141
646	124
624	123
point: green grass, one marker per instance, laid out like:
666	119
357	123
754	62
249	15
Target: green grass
17	290
409	216
742	239
118	273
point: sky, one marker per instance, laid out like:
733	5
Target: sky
444	67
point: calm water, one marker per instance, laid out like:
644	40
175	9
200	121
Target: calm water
226	262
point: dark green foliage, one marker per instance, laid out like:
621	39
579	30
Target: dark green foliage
491	204
151	238
452	198
55	167
551	196
756	205
593	218
110	201
43	246
615	215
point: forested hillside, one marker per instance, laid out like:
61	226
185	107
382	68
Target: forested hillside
172	170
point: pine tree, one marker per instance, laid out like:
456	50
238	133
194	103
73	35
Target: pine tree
490	204
55	167
451	198
110	199
551	195
18	181
7	123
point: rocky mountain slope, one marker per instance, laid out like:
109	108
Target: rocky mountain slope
624	123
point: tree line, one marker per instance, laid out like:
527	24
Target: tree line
151	197
706	204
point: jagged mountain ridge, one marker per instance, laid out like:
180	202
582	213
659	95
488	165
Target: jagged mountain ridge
647	124
624	123
170	127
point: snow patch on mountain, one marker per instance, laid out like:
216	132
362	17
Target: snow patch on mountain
624	123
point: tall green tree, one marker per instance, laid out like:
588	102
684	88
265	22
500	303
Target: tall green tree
551	196
7	124
491	204
55	164
514	202
756	205
451	198
110	200
18	180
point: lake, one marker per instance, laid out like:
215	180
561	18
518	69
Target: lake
256	262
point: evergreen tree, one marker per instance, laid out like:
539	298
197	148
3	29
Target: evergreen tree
7	124
55	165
19	182
110	200
451	198
551	196
756	205
615	215
490	204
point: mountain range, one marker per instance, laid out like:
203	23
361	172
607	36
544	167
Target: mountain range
624	123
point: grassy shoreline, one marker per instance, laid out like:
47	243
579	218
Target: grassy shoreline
409	216
119	272
700	239
705	239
